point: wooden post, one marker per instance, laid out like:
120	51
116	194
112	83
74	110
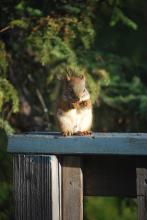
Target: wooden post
72	188
142	193
36	187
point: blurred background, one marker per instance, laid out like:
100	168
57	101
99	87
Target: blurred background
106	39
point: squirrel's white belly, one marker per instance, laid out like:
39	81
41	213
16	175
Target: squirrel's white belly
76	120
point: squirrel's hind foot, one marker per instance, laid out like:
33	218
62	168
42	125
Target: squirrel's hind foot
80	133
83	133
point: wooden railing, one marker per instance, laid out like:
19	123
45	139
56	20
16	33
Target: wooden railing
52	173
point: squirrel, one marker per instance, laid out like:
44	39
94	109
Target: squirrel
74	109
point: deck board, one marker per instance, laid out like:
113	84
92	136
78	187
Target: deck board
96	144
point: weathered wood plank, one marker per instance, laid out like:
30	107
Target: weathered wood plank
97	144
109	176
56	188
72	189
36	187
142	193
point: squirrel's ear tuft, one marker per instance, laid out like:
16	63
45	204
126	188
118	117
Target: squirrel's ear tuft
82	76
67	77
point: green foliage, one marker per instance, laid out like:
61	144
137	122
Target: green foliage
129	93
118	15
22	8
49	48
8	96
3	60
18	23
104	39
8	93
110	208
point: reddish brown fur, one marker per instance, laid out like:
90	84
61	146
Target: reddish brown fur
74	95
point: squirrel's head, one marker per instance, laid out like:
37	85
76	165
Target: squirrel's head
75	87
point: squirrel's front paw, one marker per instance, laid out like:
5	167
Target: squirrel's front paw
66	133
73	105
83	103
86	103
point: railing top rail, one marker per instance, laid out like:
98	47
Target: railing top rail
131	144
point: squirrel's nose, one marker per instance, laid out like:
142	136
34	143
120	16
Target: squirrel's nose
76	98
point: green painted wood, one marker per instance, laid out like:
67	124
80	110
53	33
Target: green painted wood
96	144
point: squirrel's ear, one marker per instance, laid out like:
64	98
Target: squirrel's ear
67	77
82	76
68	74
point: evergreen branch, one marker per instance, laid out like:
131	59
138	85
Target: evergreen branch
5	29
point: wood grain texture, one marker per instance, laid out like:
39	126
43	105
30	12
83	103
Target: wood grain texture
142	193
72	189
96	144
34	192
